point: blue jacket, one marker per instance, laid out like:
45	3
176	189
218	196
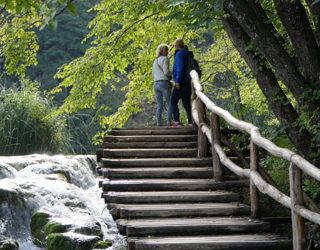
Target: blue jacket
180	66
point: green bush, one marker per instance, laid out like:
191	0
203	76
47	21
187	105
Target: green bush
26	126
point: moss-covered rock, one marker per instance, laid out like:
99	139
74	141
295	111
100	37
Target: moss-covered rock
54	227
67	241
102	244
42	225
92	229
65	175
8	244
37	226
60	177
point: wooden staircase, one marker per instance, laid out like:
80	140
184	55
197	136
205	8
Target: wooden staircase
163	197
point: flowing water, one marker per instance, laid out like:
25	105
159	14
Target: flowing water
66	187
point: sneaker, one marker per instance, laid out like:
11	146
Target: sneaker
176	125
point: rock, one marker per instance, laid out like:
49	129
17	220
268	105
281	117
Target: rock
37	225
60	177
6	171
54	227
93	229
52	233
17	206
42	225
8	244
102	244
67	241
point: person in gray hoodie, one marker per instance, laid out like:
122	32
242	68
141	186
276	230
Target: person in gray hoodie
162	86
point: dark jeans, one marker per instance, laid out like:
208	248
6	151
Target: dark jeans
185	94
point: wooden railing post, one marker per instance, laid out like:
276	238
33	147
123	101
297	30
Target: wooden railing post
216	139
296	194
254	192
202	139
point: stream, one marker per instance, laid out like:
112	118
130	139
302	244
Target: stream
66	187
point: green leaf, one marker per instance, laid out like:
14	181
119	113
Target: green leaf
53	24
72	8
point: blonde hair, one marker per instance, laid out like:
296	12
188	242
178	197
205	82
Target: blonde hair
161	48
179	43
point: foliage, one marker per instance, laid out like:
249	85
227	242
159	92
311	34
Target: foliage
123	42
278	169
312	188
230	81
25	125
19	19
61	45
18	45
53	48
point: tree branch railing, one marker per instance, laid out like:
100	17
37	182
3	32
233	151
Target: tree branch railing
298	165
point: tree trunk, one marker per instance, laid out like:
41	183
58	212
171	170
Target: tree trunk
315	10
295	20
269	45
277	100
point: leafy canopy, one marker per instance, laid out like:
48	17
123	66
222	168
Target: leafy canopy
19	19
123	42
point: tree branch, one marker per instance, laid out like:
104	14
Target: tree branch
3	8
117	39
277	100
270	46
63	9
295	20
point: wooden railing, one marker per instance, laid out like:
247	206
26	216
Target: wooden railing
302	207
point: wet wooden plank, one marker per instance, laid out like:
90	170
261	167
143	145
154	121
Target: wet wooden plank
152	138
181	210
169	172
149	153
155	132
170	185
156	162
171	196
156	144
221	242
191	226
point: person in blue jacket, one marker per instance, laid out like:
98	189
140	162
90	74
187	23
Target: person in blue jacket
182	88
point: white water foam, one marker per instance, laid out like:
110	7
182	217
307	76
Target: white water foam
64	186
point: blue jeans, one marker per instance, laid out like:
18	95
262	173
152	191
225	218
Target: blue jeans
162	90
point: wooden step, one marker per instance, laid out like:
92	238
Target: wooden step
151	128
191	226
152	138
149	153
169	172
125	211
181	131
156	162
215	242
170	197
159	144
170	185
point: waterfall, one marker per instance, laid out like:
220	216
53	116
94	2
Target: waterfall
66	187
